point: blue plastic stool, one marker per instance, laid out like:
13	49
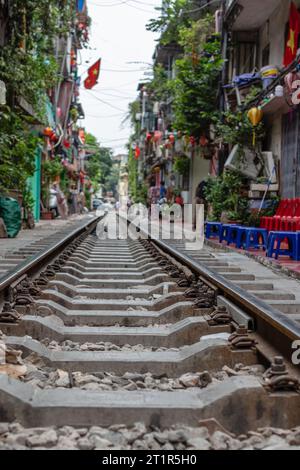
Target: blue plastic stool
275	241
229	233
252	237
213	229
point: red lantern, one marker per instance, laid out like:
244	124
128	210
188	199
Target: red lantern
171	138
48	132
203	141
157	136
54	137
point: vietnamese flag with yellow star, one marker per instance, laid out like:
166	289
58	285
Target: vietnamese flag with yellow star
93	75
293	36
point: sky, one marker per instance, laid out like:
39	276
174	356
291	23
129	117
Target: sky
118	36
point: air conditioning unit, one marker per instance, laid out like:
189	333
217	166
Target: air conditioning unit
252	165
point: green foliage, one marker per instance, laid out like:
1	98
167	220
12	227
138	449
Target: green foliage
51	169
99	165
182	165
196	84
29	67
170	20
27	62
141	194
235	128
160	86
28	199
224	194
17	150
132	174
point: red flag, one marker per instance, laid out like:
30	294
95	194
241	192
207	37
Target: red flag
294	31
137	153
93	75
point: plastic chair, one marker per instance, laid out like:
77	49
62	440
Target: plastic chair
264	221
213	229
275	241
252	237
291	223
287	211
229	233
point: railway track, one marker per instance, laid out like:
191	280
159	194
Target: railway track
122	344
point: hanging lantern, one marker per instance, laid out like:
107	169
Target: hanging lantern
255	116
66	144
48	131
203	141
54	137
172	138
157	136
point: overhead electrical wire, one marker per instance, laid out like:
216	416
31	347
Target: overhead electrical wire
105	102
123	3
185	12
114	140
104	116
114	96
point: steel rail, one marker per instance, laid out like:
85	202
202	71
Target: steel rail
242	297
36	262
269	322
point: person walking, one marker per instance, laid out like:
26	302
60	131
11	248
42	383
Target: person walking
162	191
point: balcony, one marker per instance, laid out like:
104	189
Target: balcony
247	15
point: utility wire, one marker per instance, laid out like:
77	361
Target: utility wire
105	102
123	3
100	92
104	116
185	12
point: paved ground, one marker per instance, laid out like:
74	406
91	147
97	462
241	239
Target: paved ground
283	263
43	229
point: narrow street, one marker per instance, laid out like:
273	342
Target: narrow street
149	251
